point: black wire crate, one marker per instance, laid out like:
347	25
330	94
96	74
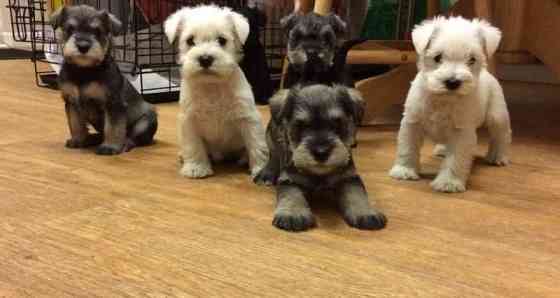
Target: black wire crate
142	50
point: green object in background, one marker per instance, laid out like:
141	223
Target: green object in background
380	23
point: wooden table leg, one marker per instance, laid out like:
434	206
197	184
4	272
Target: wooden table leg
483	10
433	8
323	7
305	6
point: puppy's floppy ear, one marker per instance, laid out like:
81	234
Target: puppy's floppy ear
241	26
113	24
290	21
423	34
352	102
174	23
281	105
58	18
338	25
490	36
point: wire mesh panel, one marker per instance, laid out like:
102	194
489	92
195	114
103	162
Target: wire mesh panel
142	50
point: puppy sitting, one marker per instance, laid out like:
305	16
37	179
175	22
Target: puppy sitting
452	95
310	137
94	90
313	55
218	118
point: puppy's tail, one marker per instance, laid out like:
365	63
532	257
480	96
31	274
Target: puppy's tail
339	62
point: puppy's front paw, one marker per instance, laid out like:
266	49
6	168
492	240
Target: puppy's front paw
500	161
74	144
109	149
293	221
196	170
440	150
265	177
448	184
403	173
90	140
373	221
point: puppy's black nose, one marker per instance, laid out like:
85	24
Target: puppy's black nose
321	153
83	46
205	61
453	84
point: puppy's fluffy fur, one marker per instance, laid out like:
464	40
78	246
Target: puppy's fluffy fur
452	95
94	90
310	138
218	118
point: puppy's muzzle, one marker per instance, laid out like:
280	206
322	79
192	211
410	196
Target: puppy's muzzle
453	84
205	61
321	153
83	45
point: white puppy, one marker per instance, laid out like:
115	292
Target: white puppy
218	118
452	95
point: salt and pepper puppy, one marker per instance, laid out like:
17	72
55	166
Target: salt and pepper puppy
453	95
218	118
93	88
310	137
312	49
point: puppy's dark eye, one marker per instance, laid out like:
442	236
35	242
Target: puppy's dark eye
69	29
472	61
297	35
190	41
97	31
301	124
438	58
337	124
222	41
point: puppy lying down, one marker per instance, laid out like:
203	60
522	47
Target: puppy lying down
310	137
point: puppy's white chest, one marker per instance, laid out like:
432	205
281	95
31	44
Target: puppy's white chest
439	122
216	123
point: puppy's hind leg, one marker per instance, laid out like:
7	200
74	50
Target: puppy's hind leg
253	135
355	206
142	132
499	127
440	150
292	211
193	153
269	174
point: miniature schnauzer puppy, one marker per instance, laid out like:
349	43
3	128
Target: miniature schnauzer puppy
310	138
218	118
313	53
93	88
453	95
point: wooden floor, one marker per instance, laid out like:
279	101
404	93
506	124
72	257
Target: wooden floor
73	224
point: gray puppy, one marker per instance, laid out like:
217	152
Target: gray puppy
310	138
312	49
93	88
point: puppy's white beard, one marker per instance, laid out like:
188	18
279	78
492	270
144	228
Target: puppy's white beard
436	85
303	159
216	73
94	56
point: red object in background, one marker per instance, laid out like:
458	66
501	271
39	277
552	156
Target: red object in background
157	11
